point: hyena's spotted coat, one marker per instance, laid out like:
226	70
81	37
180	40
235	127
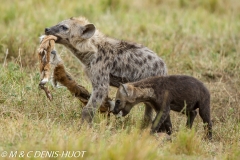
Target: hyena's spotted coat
107	61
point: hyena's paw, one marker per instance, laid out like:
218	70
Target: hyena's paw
87	114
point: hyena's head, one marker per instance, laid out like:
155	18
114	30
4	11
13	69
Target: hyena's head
125	99
70	30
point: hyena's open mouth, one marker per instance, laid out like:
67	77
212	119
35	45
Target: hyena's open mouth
58	39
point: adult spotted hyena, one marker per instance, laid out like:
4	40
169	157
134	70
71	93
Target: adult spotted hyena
177	92
107	61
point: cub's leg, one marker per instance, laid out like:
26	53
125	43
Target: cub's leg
166	126
160	118
147	119
190	118
204	112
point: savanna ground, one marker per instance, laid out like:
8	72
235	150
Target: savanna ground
198	38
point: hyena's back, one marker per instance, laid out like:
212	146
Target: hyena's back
132	62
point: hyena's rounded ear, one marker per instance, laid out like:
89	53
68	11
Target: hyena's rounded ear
88	31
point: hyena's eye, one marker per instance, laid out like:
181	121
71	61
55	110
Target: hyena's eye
118	102
63	27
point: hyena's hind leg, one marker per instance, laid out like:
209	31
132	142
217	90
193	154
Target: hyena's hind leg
204	112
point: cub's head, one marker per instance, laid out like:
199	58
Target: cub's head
125	99
70	30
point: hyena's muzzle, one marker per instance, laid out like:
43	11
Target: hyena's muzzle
53	31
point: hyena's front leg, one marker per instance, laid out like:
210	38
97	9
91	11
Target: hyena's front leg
160	118
147	119
162	115
95	101
99	93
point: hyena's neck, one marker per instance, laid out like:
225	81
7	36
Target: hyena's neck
86	50
144	94
85	53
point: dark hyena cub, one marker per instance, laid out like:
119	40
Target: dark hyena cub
177	92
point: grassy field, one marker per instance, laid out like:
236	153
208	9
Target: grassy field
200	38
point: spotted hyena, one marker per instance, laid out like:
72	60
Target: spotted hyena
107	61
176	92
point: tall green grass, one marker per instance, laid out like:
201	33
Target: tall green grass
198	38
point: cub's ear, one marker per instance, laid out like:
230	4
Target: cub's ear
127	89
124	88
88	31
